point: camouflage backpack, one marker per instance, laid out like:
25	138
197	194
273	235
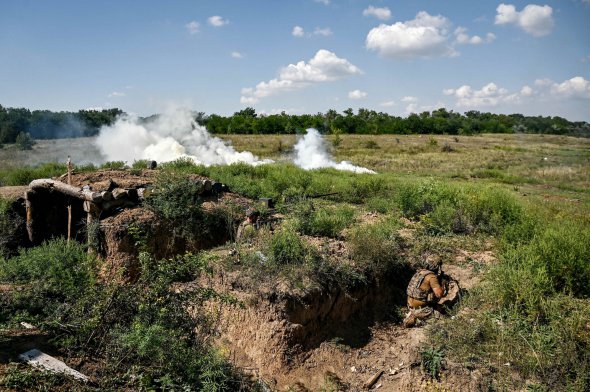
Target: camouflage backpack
414	290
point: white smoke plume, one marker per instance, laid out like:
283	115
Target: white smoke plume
167	137
312	153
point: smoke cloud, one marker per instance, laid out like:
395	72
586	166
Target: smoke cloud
167	137
312	153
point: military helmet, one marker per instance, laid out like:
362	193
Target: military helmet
431	262
252	212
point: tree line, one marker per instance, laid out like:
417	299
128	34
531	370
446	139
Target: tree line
45	124
440	121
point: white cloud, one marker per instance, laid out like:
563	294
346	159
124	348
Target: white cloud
526	91
192	27
387	104
585	59
325	31
236	55
357	94
324	2
380	13
325	66
298	31
463	38
488	95
217	21
409	99
576	87
534	19
425	36
116	94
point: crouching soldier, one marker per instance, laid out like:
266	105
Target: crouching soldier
248	227
424	291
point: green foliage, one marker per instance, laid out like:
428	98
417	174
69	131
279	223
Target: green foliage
140	164
432	361
24	141
323	221
24	175
287	248
176	199
114	165
376	247
56	268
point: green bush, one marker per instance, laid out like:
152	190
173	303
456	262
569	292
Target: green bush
24	141
56	268
376	247
287	248
24	175
323	221
114	165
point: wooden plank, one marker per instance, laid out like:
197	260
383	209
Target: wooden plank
41	360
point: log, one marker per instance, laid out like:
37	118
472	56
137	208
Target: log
371	381
132	194
90	207
73	191
119	193
106	195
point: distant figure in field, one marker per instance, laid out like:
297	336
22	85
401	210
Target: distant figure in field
248	227
424	291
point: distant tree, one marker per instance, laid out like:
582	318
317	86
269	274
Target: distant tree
24	141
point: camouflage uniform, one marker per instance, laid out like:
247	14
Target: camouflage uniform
421	298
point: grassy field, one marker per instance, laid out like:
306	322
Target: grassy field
524	197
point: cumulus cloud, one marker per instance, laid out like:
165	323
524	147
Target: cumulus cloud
236	55
463	38
576	87
488	95
324	2
380	13
217	21
387	104
425	36
325	66
534	19
357	94
116	94
298	31
192	27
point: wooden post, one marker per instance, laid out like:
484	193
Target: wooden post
30	223
70	205
93	212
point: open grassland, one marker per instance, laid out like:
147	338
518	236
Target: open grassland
525	198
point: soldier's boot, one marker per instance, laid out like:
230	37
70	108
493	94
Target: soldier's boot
410	320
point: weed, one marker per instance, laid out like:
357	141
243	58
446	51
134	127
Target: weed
371	144
114	165
376	247
432	361
432	141
323	221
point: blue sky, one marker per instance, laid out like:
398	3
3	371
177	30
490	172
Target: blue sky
301	56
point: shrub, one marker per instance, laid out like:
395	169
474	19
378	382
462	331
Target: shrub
323	221
376	247
287	248
114	165
56	268
24	141
432	361
24	175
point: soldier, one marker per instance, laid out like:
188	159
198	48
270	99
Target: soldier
424	292
248	227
